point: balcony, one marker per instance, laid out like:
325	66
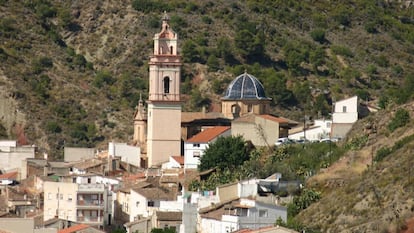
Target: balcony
91	188
90	204
90	219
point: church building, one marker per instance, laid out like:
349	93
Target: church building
162	123
160	130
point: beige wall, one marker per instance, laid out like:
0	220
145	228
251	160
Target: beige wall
65	208
261	133
77	153
164	132
257	107
227	192
22	225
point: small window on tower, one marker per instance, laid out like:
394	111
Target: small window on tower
166	85
171	50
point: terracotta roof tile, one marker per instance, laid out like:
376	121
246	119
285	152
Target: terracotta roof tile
273	118
7	176
73	229
209	134
169	216
179	159
249	118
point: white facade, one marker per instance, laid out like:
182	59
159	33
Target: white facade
193	151
247	214
12	157
139	205
320	129
172	163
128	154
346	111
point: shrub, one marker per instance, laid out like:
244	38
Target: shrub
148	6
341	50
318	35
53	127
401	118
103	78
382	153
370	27
207	20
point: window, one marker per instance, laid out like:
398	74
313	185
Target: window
166	82
74	180
262	213
249	108
69	197
196	154
328	124
196	145
171	50
343	108
137	203
61	196
89	180
151	203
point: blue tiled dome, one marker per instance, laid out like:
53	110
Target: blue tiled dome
245	86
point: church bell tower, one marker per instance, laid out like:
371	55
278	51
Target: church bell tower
164	103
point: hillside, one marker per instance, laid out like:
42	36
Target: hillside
362	195
72	72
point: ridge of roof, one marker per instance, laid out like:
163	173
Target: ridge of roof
74	228
209	134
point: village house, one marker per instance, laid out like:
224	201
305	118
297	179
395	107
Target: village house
195	146
82	203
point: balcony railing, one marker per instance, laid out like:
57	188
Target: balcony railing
89	219
90	203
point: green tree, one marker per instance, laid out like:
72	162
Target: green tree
190	52
103	78
317	57
213	63
225	152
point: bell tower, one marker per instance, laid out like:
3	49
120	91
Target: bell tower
164	103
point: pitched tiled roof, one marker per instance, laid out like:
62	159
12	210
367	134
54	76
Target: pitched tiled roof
179	159
273	118
8	176
88	164
209	134
155	193
169	216
191	116
73	229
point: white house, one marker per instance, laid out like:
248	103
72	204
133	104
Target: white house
12	155
320	129
345	114
81	203
346	111
195	146
174	162
240	214
128	154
